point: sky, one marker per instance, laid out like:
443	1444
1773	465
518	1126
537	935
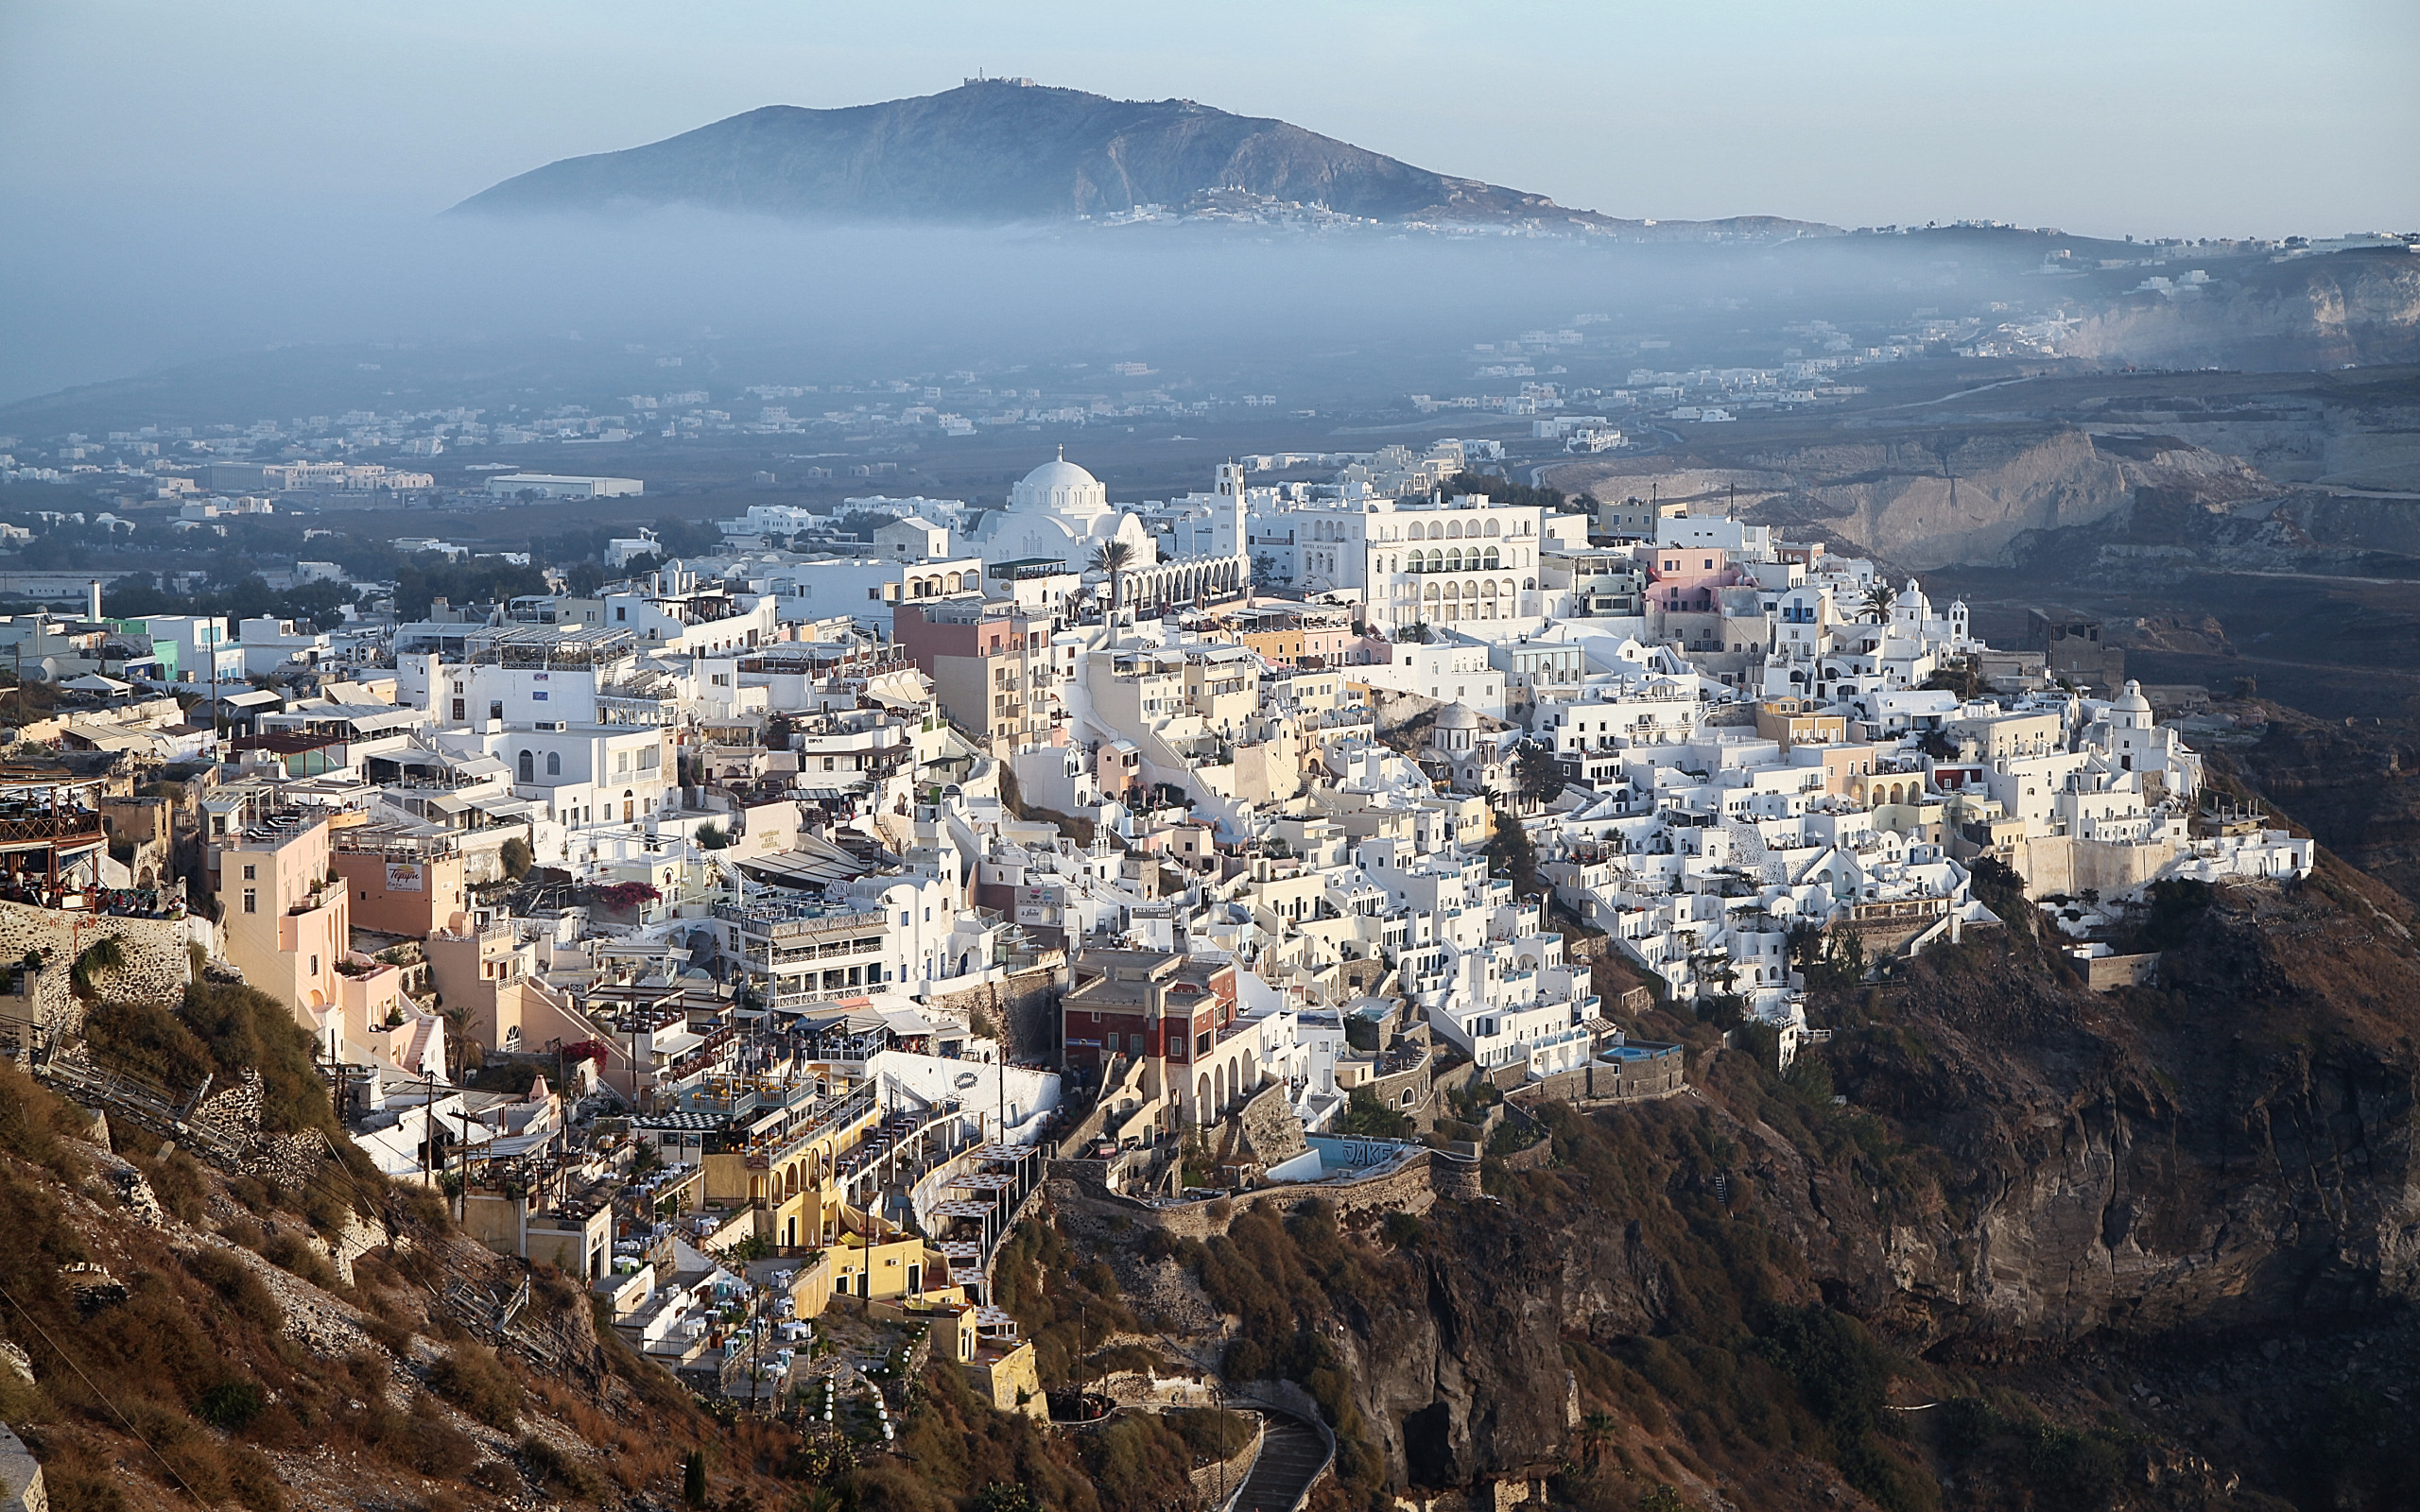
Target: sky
2143	117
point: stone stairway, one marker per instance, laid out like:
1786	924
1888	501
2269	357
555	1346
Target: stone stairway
1292	1454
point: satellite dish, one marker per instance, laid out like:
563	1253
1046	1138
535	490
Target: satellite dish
46	670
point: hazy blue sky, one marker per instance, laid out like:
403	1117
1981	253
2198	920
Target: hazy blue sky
2117	116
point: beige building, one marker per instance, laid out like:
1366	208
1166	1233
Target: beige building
285	916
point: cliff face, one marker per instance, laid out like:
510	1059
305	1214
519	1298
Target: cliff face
1925	500
2352	307
2024	1180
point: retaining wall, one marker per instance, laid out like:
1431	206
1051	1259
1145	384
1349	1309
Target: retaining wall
1411	1188
1024	1005
156	968
1271	1131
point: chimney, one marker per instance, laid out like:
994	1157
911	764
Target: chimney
96	615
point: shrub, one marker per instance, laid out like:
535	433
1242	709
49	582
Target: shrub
473	1378
552	1468
231	1405
290	1251
244	1293
178	1183
37	1126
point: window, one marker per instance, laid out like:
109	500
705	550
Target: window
252	902
314	966
620	612
252	873
554	764
458	715
528	767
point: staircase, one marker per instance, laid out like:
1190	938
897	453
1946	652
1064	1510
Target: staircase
1293	1456
144	1104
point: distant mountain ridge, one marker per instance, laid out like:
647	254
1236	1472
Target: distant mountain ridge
1000	151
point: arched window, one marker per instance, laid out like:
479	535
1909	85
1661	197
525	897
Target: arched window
529	765
1494	560
554	764
1487	590
1492	530
1454	560
1453	530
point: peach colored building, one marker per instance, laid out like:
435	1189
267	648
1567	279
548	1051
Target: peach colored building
283	916
401	891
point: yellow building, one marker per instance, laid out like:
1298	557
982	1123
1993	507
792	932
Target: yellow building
1792	722
1001	1371
886	1269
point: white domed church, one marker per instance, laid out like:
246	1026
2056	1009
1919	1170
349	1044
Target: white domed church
1058	512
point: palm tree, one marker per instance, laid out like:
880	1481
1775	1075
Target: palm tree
1877	602
1114	557
1597	1432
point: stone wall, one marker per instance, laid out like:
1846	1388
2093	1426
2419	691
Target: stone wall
2064	865
1228	1474
157	965
1024	1008
1269	1129
1418	1081
1077	1197
1664	1071
2104	972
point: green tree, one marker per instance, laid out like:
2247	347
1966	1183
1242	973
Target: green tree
1537	772
1513	855
693	1478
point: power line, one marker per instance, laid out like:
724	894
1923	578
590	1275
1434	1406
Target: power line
94	1388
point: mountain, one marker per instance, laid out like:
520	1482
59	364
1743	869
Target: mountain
1002	151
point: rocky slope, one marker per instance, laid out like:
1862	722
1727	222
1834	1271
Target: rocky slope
2113	1232
1959	495
2349	308
1000	151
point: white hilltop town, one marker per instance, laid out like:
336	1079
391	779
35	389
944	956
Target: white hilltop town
799	903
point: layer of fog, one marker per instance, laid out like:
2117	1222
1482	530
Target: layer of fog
103	296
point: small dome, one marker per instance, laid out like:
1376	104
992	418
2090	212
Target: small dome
1456	716
2132	699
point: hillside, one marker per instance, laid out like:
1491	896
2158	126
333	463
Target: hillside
2001	1244
996	151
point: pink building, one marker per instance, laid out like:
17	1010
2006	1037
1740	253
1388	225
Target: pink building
1684	579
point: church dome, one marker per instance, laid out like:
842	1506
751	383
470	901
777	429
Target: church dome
1456	716
1059	487
1060	473
2132	699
